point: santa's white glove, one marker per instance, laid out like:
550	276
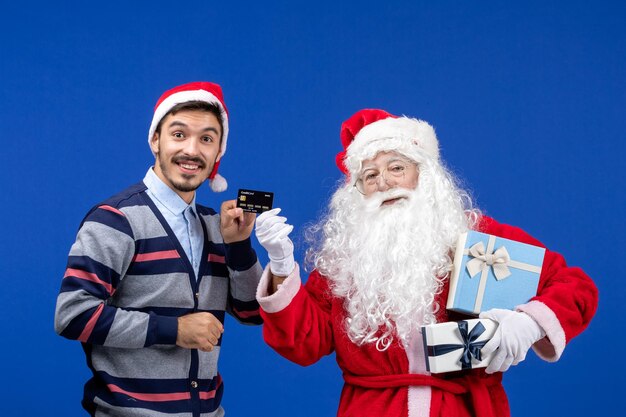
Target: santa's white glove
515	334
273	234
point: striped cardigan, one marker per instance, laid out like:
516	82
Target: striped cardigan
127	281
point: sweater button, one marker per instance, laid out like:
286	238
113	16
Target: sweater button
197	296
194	384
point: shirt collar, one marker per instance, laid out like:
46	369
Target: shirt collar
166	196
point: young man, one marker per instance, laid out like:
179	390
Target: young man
382	268
152	273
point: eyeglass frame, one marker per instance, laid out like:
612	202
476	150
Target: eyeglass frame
404	161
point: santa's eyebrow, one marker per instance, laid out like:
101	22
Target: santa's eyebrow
369	168
385	164
397	158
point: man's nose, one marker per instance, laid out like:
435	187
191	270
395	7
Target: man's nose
191	146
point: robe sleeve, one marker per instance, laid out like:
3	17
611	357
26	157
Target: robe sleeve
297	321
566	297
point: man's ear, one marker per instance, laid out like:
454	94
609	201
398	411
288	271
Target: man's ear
154	143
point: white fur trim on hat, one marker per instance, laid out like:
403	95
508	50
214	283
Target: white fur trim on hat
183	97
411	137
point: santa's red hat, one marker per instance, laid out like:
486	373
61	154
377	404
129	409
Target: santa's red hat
196	91
370	131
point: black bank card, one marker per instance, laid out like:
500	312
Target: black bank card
255	201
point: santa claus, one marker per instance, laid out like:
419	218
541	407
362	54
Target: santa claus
382	257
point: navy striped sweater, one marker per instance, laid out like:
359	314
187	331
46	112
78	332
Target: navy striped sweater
126	283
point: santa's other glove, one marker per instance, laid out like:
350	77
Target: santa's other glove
515	334
273	234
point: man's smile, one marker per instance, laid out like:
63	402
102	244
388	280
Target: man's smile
188	166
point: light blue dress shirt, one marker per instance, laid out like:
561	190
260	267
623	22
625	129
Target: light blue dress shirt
182	217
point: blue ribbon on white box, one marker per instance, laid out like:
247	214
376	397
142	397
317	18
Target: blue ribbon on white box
470	346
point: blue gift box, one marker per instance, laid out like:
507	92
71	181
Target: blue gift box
493	272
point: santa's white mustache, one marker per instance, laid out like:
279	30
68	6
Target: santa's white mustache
375	201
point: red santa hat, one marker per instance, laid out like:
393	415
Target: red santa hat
196	91
370	131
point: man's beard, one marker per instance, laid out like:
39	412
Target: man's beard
192	182
389	261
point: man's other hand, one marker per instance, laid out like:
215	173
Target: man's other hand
199	331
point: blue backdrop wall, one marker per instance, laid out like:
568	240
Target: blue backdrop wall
528	100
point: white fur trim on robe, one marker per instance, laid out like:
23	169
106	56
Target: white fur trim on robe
283	295
419	396
551	347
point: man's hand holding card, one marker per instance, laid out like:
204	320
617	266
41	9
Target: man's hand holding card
235	224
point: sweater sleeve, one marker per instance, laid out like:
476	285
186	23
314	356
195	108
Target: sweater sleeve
244	271
297	319
103	250
566	299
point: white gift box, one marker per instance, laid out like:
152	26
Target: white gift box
454	346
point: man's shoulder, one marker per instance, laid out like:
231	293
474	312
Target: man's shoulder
130	196
112	212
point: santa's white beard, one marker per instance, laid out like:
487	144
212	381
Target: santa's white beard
389	262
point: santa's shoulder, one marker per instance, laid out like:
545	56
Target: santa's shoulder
489	225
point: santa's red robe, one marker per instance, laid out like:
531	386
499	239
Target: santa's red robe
304	323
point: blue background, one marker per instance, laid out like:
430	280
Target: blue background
528	100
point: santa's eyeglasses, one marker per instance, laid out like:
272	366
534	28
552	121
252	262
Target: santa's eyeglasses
392	174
